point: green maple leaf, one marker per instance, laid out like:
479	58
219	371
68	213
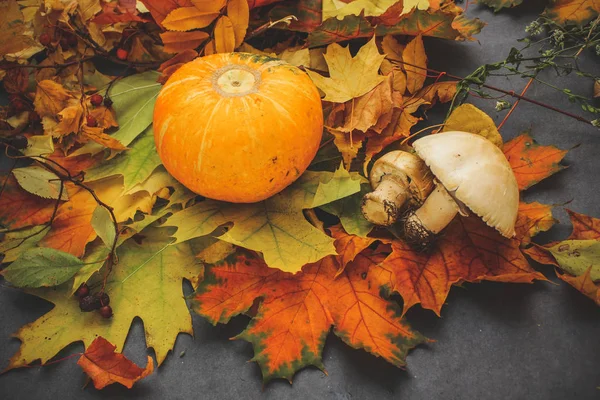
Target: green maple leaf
135	164
146	283
133	101
276	227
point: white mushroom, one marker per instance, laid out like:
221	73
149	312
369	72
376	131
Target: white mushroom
472	173
396	178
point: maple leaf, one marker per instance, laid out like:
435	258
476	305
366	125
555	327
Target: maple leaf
20	209
365	111
572	11
133	100
531	162
105	367
468	118
146	284
532	219
289	331
468	251
350	77
335	30
307	12
50	98
414	56
497	5
446	24
578	255
276	226
135	165
339	9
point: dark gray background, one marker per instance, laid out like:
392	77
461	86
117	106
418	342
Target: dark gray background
494	341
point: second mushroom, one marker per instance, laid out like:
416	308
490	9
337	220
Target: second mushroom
472	174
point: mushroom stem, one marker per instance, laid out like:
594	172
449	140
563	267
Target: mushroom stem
399	179
382	205
421	226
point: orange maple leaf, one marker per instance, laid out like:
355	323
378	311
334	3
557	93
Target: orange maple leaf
20	209
297	311
106	367
467	251
584	228
531	162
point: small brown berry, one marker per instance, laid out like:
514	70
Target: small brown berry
108	102
91	120
122	54
64	43
96	99
106	311
83	290
45	39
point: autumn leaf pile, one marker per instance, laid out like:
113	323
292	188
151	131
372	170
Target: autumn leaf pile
85	199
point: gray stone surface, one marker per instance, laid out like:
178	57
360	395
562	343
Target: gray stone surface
494	341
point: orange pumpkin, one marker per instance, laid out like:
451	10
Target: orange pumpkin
237	127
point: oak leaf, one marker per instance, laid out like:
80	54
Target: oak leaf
531	162
105	367
349	77
297	311
147	284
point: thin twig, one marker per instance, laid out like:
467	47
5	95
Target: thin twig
507	92
516	103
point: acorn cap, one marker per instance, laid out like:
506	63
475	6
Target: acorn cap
475	172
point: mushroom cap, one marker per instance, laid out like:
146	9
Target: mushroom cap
408	169
475	172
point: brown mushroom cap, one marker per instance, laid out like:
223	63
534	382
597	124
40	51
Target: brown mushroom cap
409	169
475	172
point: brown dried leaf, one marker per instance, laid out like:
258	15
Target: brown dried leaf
97	135
416	62
50	98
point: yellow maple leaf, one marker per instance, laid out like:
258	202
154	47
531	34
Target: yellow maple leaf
350	77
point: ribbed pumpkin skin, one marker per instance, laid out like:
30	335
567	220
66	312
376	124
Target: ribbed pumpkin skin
237	147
